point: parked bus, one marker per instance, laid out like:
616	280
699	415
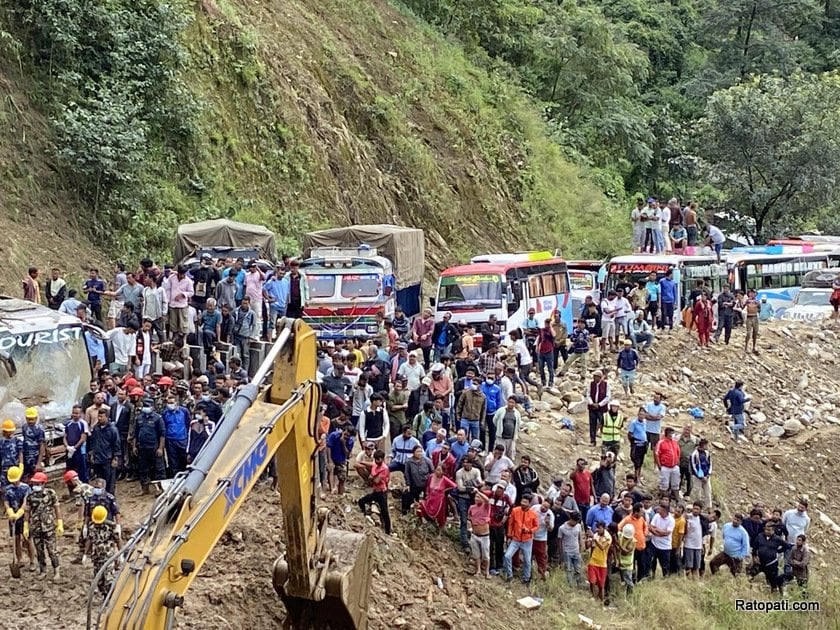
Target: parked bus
505	285
687	270
775	276
586	278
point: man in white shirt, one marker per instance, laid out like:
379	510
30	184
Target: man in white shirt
495	463
525	361
661	528
624	314
716	240
124	343
143	362
412	371
693	541
665	227
609	310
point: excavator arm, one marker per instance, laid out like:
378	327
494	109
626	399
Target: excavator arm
324	577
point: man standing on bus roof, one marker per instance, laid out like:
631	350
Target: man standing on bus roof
716	239
664	224
751	312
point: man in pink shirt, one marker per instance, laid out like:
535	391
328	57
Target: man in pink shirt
179	290
421	334
254	280
379	478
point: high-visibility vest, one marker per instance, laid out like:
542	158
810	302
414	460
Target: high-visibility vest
613	428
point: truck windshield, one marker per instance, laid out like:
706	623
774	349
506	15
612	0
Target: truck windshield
321	285
45	369
479	290
360	286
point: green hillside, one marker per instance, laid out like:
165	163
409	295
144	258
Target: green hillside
296	115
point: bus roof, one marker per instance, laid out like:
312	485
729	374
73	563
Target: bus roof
738	258
585	265
19	316
662	259
498	267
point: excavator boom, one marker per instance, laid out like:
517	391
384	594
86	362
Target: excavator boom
324	576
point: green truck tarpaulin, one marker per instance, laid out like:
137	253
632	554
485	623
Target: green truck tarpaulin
405	247
224	233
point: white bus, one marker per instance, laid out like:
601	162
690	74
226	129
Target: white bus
688	270
775	276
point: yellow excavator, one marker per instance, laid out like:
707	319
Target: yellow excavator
323	579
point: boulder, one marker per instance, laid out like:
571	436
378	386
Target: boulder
775	431
541	406
566	386
719	445
687	372
793	427
758	416
577	408
571	397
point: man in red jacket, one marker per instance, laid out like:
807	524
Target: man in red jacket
666	456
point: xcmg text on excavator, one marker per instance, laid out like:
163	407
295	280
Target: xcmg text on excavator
323	579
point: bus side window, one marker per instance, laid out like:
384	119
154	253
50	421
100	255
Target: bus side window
535	286
514	297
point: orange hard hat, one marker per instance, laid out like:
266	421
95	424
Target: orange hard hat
8	425
39	477
136	392
70	475
164	380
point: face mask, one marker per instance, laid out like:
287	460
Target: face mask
171	406
205	397
146	409
98	491
490	381
37	488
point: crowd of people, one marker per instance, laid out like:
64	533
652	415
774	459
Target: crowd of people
450	429
660	228
429	401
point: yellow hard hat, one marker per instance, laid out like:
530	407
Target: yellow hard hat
31	412
99	514
14	473
8	425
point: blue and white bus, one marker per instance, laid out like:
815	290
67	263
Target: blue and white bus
775	276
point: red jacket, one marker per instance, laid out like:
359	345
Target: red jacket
668	452
522	524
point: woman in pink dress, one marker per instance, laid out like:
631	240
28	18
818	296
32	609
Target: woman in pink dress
433	507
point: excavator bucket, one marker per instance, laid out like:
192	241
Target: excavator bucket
344	586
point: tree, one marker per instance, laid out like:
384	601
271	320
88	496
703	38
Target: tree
772	146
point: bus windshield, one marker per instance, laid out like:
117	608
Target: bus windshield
582	280
45	369
813	297
475	290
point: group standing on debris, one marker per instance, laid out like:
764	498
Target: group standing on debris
430	401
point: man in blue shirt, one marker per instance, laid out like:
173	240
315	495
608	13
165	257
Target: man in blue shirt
339	445
637	436
734	403
238	274
654	414
276	294
93	288
668	299
601	512
736	547
653	290
176	419
493	393
34	443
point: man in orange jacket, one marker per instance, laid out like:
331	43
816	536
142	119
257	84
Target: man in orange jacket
522	524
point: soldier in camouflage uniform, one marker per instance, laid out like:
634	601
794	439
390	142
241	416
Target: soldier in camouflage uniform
81	494
102	543
11	451
43	523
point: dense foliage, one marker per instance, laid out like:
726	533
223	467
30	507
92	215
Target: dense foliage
649	91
